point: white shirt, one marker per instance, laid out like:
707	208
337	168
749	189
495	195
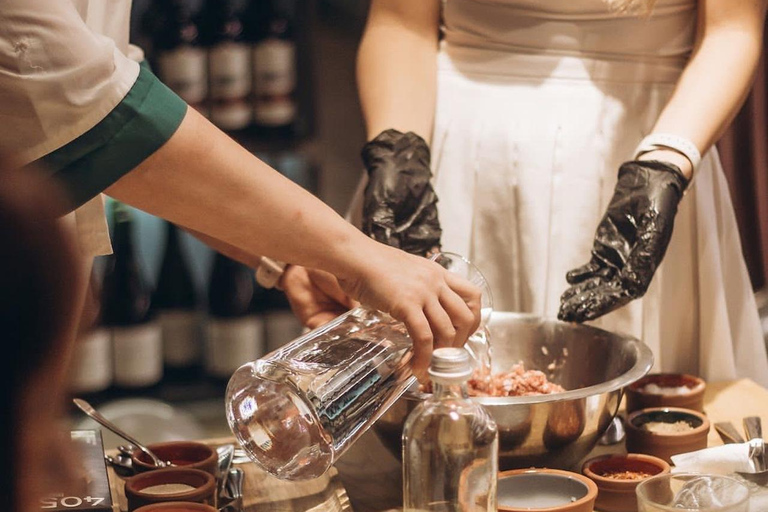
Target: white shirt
64	65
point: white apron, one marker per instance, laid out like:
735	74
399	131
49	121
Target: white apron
49	98
539	102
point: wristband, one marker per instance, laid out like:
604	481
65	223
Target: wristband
676	143
269	272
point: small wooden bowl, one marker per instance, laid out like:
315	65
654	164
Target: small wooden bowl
187	454
638	398
176	506
550	490
618	495
666	444
203	487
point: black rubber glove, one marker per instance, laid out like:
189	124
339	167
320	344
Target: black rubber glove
399	204
630	242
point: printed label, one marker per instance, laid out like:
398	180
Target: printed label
274	82
184	71
182	345
138	353
231	343
92	363
230	71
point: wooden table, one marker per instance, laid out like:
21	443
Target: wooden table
368	477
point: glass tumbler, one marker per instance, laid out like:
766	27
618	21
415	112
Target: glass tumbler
692	492
297	409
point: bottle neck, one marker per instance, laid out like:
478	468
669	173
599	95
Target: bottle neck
446	389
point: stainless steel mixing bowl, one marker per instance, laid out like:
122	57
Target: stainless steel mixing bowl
556	430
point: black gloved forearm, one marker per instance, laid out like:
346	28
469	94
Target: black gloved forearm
630	241
399	203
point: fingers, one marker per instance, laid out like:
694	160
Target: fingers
464	319
443	331
421	334
582	273
594	301
327	283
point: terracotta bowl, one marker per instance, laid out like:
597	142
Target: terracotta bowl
550	490
146	488
638	398
176	506
617	494
666	444
188	454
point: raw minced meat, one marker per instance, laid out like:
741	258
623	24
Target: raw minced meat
516	382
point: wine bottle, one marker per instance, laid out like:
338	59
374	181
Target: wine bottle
136	335
235	335
177	307
280	324
91	373
229	70
269	30
178	57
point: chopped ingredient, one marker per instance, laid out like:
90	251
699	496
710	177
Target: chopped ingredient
626	475
662	427
516	382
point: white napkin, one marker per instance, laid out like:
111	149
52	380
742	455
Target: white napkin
730	460
718	460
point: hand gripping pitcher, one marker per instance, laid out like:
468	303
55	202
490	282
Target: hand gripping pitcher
296	410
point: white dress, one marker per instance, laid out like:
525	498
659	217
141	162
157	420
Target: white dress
539	102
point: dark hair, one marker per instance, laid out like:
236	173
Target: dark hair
39	276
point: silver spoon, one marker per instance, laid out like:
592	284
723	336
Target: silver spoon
90	411
225	454
754	431
235	483
120	465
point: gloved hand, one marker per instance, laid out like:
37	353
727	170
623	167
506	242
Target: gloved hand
399	204
630	241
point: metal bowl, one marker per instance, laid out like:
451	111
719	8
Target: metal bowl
556	430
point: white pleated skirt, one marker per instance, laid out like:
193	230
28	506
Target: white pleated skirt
525	152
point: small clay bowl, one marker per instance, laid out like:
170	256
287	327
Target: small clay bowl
155	487
665	444
618	494
639	398
188	454
176	506
550	490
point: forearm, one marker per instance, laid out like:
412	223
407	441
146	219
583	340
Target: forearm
204	181
716	81
397	66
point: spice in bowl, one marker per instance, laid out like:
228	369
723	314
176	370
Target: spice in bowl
617	477
664	432
666	390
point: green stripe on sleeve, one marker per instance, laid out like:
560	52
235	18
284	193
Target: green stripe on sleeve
137	127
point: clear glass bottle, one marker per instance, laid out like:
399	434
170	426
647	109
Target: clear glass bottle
450	444
296	410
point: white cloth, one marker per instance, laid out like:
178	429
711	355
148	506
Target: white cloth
64	66
538	104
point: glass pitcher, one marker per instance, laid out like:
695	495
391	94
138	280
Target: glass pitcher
296	410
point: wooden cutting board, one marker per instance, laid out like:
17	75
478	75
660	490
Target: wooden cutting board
264	493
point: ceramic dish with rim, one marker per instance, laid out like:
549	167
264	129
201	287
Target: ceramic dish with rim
188	454
170	484
667	390
550	490
176	506
617	477
666	431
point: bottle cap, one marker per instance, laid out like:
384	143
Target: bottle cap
450	364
